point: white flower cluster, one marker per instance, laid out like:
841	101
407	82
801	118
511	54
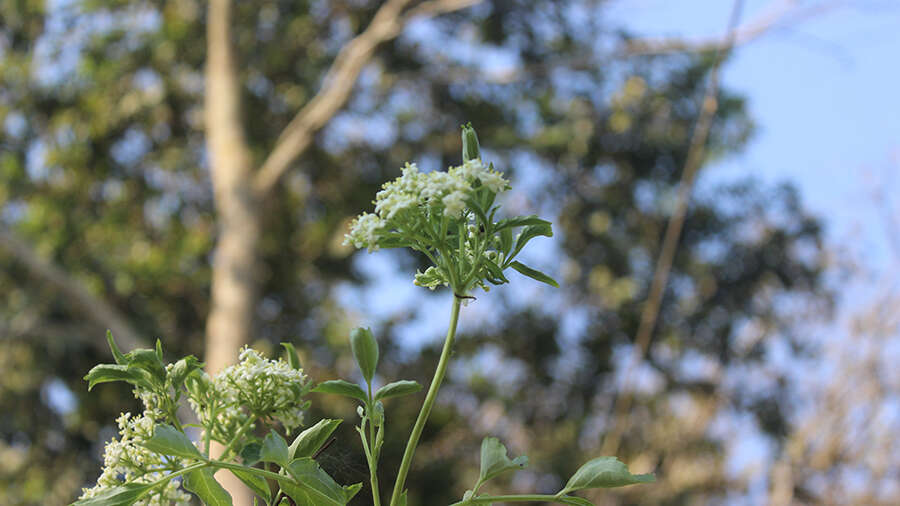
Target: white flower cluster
268	388
127	460
417	192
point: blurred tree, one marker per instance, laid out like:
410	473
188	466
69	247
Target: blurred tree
114	196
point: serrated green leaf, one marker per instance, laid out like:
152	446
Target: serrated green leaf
291	354
534	274
117	354
257	483
494	460
204	485
123	495
396	389
365	351
308	442
529	233
105	373
168	440
274	449
341	387
604	472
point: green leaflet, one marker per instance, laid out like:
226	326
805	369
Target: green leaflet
204	485
168	440
604	472
341	387
396	389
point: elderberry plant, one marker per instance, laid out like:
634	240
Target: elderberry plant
447	216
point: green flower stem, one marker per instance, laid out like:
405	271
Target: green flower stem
427	405
237	435
373	458
488	499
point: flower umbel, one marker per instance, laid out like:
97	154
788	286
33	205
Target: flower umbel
449	217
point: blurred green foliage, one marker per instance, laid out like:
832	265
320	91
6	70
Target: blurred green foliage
104	173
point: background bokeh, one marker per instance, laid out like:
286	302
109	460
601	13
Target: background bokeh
770	375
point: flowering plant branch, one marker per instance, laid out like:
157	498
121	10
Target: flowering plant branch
447	216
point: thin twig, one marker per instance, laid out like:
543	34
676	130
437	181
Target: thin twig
622	406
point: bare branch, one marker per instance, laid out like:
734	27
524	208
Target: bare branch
339	81
696	152
93	307
785	13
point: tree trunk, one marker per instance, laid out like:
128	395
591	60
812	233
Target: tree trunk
235	271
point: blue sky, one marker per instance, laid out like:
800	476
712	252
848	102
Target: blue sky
824	92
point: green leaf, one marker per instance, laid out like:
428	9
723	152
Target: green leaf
308	442
168	440
147	360
182	369
291	354
529	233
159	352
365	351
250	453
396	389
470	148
402	501
117	354
314	486
506	239
534	274
274	449
519	221
105	373
494	460
202	483
479	212
257	483
604	472
341	387
123	495
495	273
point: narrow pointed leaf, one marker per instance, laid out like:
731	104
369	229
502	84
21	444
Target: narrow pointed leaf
519	221
396	389
168	440
534	274
204	485
308	442
529	233
341	387
604	472
291	353
123	495
117	354
494	460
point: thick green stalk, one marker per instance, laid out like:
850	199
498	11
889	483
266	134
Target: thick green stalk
427	405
